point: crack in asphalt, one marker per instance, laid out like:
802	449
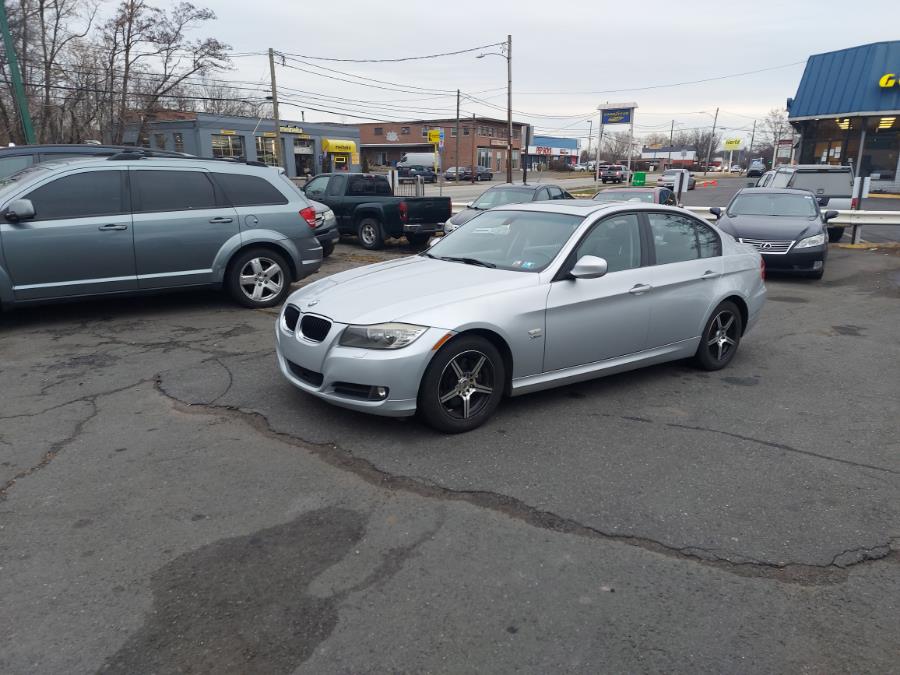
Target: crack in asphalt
788	572
60	445
786	448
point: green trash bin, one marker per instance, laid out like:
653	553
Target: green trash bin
639	179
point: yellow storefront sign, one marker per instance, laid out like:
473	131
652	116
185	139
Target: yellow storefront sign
290	130
887	81
434	135
338	145
732	143
227	132
354	158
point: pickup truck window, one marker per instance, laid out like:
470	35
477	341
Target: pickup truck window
317	186
337	186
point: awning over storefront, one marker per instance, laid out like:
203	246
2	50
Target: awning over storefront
338	145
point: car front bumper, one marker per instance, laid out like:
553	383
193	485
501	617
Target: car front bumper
324	369
797	260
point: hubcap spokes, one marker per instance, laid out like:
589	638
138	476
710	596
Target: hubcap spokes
466	384
261	279
721	338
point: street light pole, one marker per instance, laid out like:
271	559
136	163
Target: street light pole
712	137
509	142
279	152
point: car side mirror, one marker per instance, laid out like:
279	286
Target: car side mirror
589	267
716	211
19	209
831	215
470	205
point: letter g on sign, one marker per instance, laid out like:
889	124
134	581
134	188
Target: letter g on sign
887	81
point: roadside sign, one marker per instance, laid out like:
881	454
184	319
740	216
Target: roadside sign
639	179
732	143
434	136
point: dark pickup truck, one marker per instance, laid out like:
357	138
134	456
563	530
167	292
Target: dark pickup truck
365	205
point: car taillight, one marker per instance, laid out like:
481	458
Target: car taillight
404	212
853	204
309	215
762	268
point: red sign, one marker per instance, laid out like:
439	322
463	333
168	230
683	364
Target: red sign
543	150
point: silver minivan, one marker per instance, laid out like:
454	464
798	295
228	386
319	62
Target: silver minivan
128	224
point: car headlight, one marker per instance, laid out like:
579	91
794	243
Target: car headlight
809	242
382	335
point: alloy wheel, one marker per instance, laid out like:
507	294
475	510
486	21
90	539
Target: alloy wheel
721	339
261	279
368	234
466	384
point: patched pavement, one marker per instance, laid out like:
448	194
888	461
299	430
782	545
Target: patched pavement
169	504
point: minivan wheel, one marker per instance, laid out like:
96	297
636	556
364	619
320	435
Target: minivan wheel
258	278
721	338
462	385
369	232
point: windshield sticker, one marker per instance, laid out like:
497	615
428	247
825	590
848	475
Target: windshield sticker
517	263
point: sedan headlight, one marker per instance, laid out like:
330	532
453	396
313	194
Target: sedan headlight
809	242
382	335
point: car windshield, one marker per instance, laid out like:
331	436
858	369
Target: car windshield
773	204
624	196
8	183
502	196
524	241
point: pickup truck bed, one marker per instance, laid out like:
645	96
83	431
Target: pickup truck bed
365	206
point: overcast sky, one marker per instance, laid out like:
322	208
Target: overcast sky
573	48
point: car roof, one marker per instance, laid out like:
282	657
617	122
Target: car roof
175	162
526	186
647	188
83	148
584	207
815	167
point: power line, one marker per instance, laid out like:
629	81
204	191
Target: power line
396	60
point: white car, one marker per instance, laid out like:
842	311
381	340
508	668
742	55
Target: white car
580	167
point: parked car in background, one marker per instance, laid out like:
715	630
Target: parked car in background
126	224
522	298
412	171
579	167
614	173
365	206
481	173
501	195
667	179
786	226
736	168
832	186
451	173
20	157
326	230
756	168
765	179
646	195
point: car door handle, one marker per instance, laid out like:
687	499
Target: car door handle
109	227
709	274
639	288
220	219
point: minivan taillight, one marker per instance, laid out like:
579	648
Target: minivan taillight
309	215
404	212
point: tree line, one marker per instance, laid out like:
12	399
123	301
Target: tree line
87	76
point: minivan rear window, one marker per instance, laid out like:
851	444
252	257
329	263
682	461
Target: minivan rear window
831	183
243	190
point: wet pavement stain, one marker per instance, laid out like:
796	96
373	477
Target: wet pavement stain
786	298
241	605
741	381
855	331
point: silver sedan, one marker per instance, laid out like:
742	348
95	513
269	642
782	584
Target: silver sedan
521	298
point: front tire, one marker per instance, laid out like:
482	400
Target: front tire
462	385
370	235
835	234
721	338
258	277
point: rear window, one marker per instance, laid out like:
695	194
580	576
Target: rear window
832	183
249	190
502	196
360	186
624	196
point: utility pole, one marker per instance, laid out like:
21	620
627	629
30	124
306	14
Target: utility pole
279	151
523	156
16	76
752	138
474	141
712	137
456	152
590	138
671	140
599	143
509	139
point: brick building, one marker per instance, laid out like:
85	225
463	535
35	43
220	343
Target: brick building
481	139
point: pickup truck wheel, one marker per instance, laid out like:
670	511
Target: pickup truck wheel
258	278
370	235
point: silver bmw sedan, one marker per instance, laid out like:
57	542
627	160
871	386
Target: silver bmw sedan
522	298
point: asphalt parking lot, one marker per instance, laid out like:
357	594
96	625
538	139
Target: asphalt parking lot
168	503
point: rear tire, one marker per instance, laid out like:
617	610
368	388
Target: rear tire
418	239
469	375
721	338
370	234
327	248
835	234
258	277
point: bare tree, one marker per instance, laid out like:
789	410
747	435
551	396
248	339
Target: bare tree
615	146
656	139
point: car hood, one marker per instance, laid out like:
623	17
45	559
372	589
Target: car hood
404	290
767	227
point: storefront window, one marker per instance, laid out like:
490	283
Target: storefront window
265	150
227	146
179	142
515	159
882	149
160	141
484	158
